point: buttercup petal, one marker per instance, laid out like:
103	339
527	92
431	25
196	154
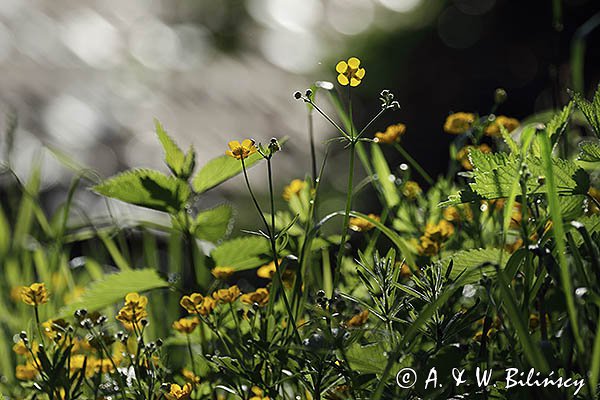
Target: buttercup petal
360	73
247	143
343	79
341	67
353	62
233	144
354	82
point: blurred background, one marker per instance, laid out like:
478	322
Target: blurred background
88	77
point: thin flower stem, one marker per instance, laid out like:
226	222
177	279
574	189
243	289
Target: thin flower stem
332	122
274	249
38	324
262	216
311	137
340	255
370	122
189	346
413	163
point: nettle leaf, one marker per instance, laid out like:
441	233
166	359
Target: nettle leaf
475	263
558	124
242	253
220	169
591	109
384	176
146	188
212	225
113	288
182	165
589	151
494	175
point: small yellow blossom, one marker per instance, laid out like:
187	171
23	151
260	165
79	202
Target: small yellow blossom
260	297
358	224
198	304
433	237
405	271
268	271
227	295
177	392
22	350
459	122
463	154
133	311
479	335
186	325
54	329
493	129
392	134
34	294
222	272
358	320
349	72
242	150
411	190
26	372
258	394
293	189
190	376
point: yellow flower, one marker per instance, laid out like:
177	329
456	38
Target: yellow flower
260	297
55	329
198	304
293	189
349	72
459	122
34	294
411	190
258	393
493	129
190	376
26	372
227	295
186	325
177	392
405	271
477	337
360	224
392	134
358	320
133	311
463	154
241	151
20	348
433	237
222	272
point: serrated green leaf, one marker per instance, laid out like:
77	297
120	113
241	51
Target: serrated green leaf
382	170
558	124
367	359
214	224
464	196
180	164
220	169
475	263
241	253
146	188
591	110
589	151
113	288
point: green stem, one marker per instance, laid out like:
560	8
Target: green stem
344	239
189	346
413	163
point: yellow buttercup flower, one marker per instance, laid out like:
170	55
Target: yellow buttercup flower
358	320
434	236
258	394
26	372
358	224
459	122
133	311
411	190
198	304
55	329
177	392
510	124
463	154
242	150
349	72
392	134
34	294
260	297
293	189
222	272
186	325
227	295
190	376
